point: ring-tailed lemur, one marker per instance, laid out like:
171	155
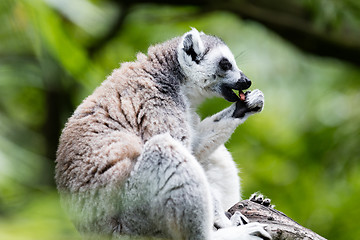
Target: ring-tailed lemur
134	159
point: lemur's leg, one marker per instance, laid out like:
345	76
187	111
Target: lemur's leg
168	187
250	231
217	129
169	190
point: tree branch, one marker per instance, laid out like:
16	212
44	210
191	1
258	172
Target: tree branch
300	31
279	225
293	22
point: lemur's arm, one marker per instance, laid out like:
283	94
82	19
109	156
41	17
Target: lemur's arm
217	129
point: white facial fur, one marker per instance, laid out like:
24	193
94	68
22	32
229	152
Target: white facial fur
203	74
218	77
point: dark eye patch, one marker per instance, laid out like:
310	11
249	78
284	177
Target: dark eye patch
224	64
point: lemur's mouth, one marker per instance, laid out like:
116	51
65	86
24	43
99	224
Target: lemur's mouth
227	89
229	94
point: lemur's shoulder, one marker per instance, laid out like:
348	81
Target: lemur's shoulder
142	96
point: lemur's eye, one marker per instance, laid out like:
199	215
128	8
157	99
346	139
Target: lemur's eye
224	64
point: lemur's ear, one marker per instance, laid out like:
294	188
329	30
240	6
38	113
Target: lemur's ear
191	46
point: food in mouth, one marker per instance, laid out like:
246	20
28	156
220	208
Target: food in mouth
242	96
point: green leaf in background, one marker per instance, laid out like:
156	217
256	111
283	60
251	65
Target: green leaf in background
302	151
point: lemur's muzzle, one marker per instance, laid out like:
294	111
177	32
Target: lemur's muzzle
241	84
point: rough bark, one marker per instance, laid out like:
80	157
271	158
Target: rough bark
279	225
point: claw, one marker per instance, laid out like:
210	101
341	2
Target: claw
239	219
267	202
253	197
259	198
258	230
263	234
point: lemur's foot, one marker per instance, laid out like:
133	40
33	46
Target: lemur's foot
254	229
254	102
238	219
259	198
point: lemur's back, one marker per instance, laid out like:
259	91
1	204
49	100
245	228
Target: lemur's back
109	128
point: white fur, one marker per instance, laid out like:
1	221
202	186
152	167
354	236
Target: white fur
211	133
201	85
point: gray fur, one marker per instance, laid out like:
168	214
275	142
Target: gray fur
134	159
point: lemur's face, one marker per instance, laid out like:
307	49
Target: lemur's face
212	70
225	75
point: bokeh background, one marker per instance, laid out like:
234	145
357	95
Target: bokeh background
302	151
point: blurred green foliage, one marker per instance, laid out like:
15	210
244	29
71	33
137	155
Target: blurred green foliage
302	151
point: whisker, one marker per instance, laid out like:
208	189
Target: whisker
242	53
241	57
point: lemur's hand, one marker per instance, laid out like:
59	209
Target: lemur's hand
254	102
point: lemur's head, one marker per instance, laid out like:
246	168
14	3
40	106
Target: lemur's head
209	67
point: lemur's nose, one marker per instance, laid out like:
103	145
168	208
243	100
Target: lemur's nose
245	82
